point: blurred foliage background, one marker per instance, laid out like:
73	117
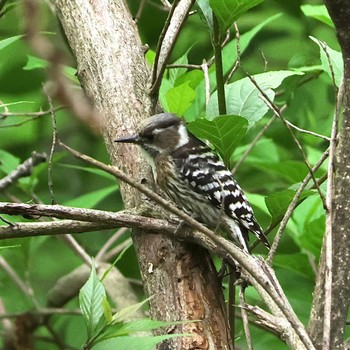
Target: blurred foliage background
273	168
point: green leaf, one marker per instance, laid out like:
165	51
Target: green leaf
175	73
8	41
318	12
126	312
229	52
292	171
133	342
244	99
8	162
224	132
297	262
330	57
95	171
89	200
179	98
312	236
205	13
229	56
92	298
35	63
278	202
38	63
228	11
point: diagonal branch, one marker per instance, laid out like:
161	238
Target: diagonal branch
167	40
260	275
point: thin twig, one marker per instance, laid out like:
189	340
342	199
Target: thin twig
238	48
277	111
77	249
109	256
252	144
245	317
4	115
187	66
140	10
15	278
205	70
109	243
292	206
23	170
160	42
53	147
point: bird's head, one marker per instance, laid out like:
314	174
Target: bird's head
161	133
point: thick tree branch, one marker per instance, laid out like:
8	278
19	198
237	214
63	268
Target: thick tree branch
114	74
339	11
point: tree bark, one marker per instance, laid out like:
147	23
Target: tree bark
339	11
114	74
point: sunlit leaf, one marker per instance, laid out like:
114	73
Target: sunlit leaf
126	312
331	58
92	298
179	98
318	12
228	11
91	199
8	41
278	202
243	98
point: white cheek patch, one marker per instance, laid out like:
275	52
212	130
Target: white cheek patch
183	136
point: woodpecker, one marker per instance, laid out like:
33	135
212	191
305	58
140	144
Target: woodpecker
195	178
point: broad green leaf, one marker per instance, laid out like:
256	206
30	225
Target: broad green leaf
174	73
228	11
126	312
312	237
133	342
330	58
8	162
8	41
95	171
164	88
194	77
299	263
278	202
244	99
150	56
179	98
229	56
292	171
89	200
265	150
92	298
224	132
229	52
205	13
318	12
35	63
38	63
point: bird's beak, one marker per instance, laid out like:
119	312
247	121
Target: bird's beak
129	139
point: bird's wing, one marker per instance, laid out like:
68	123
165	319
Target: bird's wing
207	175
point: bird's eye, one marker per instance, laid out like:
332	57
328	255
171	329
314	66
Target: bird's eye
148	137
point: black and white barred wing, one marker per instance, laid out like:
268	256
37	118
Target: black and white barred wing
207	175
